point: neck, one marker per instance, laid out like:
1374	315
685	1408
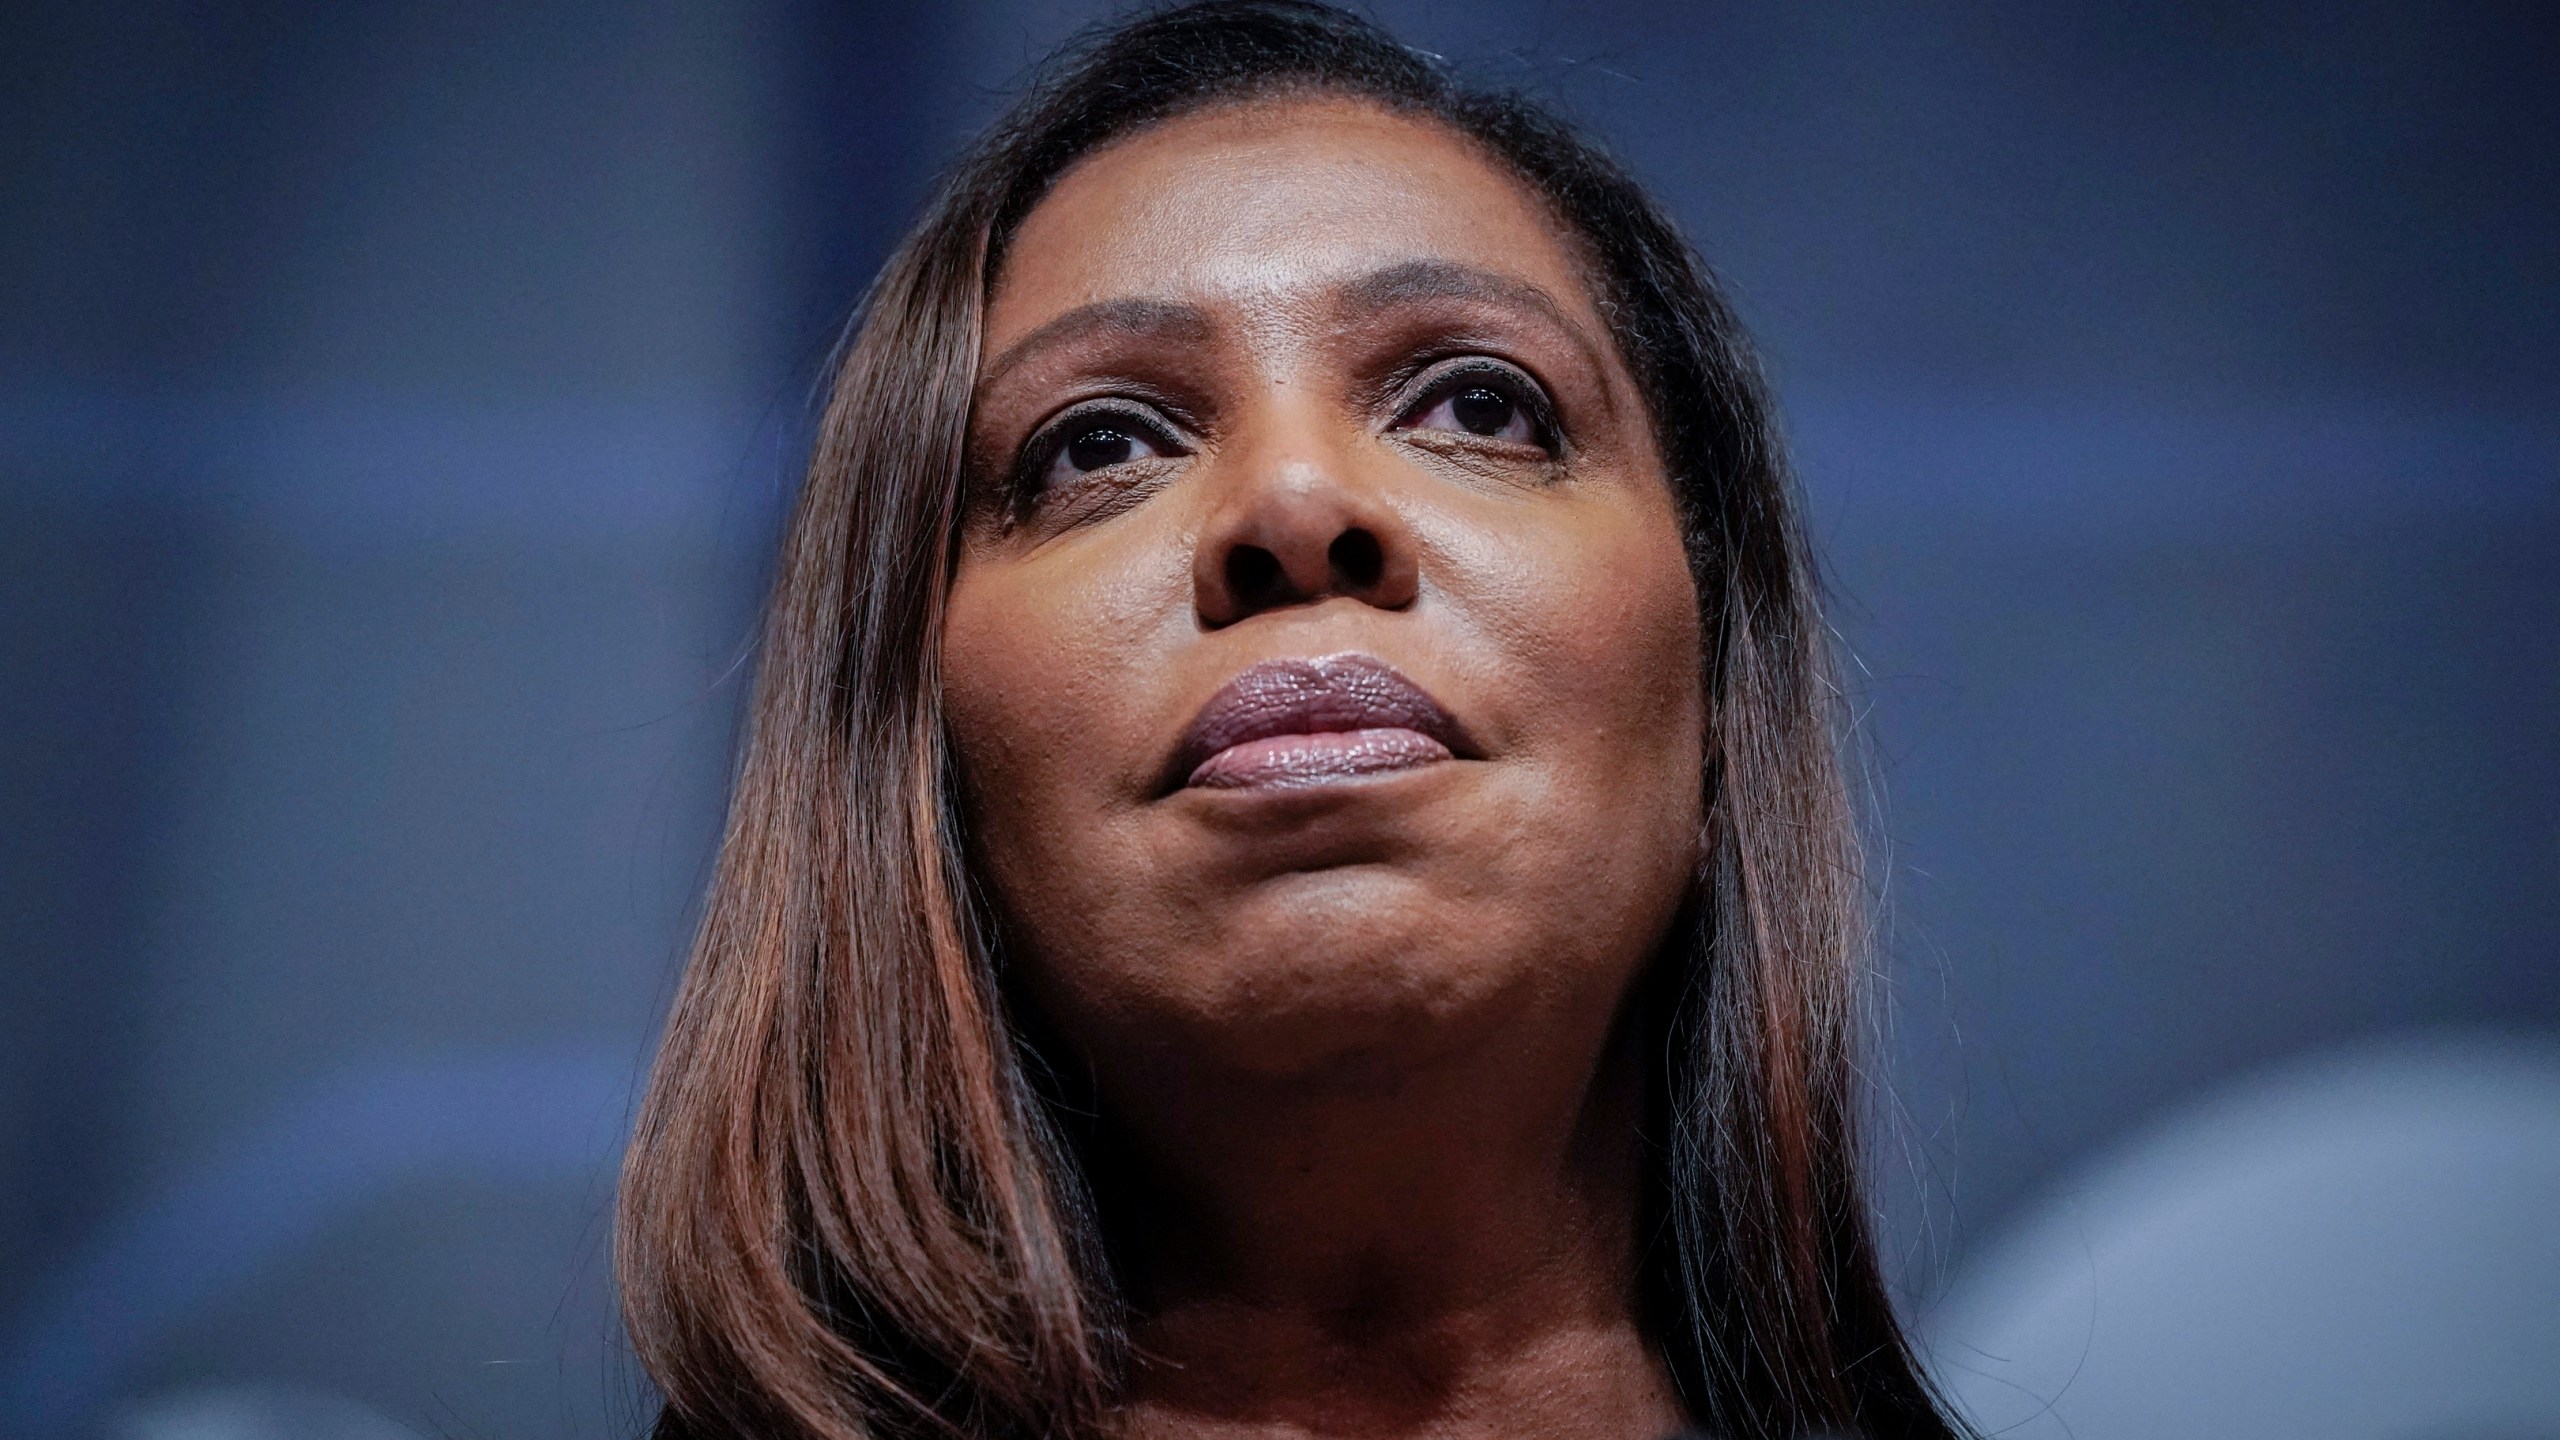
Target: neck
1447	1250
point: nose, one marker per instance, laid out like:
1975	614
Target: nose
1294	529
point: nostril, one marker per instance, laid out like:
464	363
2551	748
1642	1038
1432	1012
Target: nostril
1357	557
1253	576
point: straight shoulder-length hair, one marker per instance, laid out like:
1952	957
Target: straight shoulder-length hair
852	1208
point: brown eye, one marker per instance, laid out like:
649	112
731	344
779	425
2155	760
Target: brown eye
1097	445
1494	403
1096	448
1482	411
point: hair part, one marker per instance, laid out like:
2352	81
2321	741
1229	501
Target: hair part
848	1212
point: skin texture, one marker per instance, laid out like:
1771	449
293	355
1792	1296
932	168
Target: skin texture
1360	1043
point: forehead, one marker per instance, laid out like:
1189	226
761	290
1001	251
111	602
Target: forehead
1247	207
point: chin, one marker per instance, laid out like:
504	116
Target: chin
1354	972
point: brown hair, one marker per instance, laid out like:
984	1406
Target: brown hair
849	1213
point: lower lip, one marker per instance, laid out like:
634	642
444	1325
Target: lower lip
1290	761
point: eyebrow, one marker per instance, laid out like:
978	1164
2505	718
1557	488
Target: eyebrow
1421	280
1119	319
1406	283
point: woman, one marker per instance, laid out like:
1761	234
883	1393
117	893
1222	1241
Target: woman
1291	873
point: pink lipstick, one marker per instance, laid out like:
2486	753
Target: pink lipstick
1290	723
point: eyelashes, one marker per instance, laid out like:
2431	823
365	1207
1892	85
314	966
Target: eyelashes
1095	436
1475	400
1483	398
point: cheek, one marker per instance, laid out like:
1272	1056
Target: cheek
1597	619
1602	614
1635	639
999	673
1044	689
1633	657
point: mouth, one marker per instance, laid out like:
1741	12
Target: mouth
1285	724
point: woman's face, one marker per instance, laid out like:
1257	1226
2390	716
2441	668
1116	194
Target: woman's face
1324	672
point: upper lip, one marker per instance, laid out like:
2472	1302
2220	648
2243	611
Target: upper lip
1328	694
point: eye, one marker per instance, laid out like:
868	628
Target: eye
1493	402
1100	446
1083	444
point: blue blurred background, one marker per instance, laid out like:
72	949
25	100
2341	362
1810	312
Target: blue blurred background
398	404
